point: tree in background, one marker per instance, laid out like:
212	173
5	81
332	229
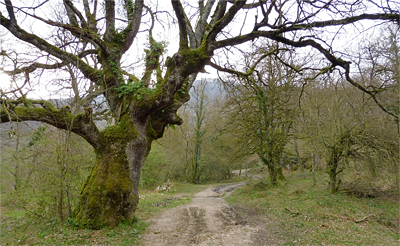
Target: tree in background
93	40
344	129
219	150
52	165
158	167
180	145
263	108
199	108
383	73
16	156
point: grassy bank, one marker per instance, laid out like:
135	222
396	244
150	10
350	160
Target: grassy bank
298	213
22	227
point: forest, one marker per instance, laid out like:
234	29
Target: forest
120	103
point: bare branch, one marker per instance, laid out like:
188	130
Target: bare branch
319	24
110	20
10	10
152	20
70	7
134	12
250	70
41	44
74	29
224	21
91	18
251	5
33	67
202	22
370	93
81	124
183	34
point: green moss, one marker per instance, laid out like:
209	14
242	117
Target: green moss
106	198
156	49
25	112
50	114
150	132
123	130
169	62
60	115
195	57
119	37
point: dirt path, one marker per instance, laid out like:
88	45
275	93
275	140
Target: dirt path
207	220
245	173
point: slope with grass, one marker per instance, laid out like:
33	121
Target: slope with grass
293	213
298	213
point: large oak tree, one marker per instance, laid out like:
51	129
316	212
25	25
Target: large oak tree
94	38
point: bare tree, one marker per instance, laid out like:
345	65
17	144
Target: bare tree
96	38
263	109
199	108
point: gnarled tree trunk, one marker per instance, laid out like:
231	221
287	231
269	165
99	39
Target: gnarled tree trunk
110	194
333	182
271	170
332	166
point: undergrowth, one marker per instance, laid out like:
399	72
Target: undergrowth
22	227
296	212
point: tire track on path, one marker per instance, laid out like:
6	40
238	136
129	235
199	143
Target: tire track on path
207	220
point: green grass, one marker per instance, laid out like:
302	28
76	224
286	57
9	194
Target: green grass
322	219
20	227
298	213
31	230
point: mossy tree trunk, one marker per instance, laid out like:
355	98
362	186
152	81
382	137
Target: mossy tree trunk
110	194
333	182
106	196
331	170
340	149
271	169
279	171
279	147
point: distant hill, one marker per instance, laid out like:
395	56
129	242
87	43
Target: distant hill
24	130
213	88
